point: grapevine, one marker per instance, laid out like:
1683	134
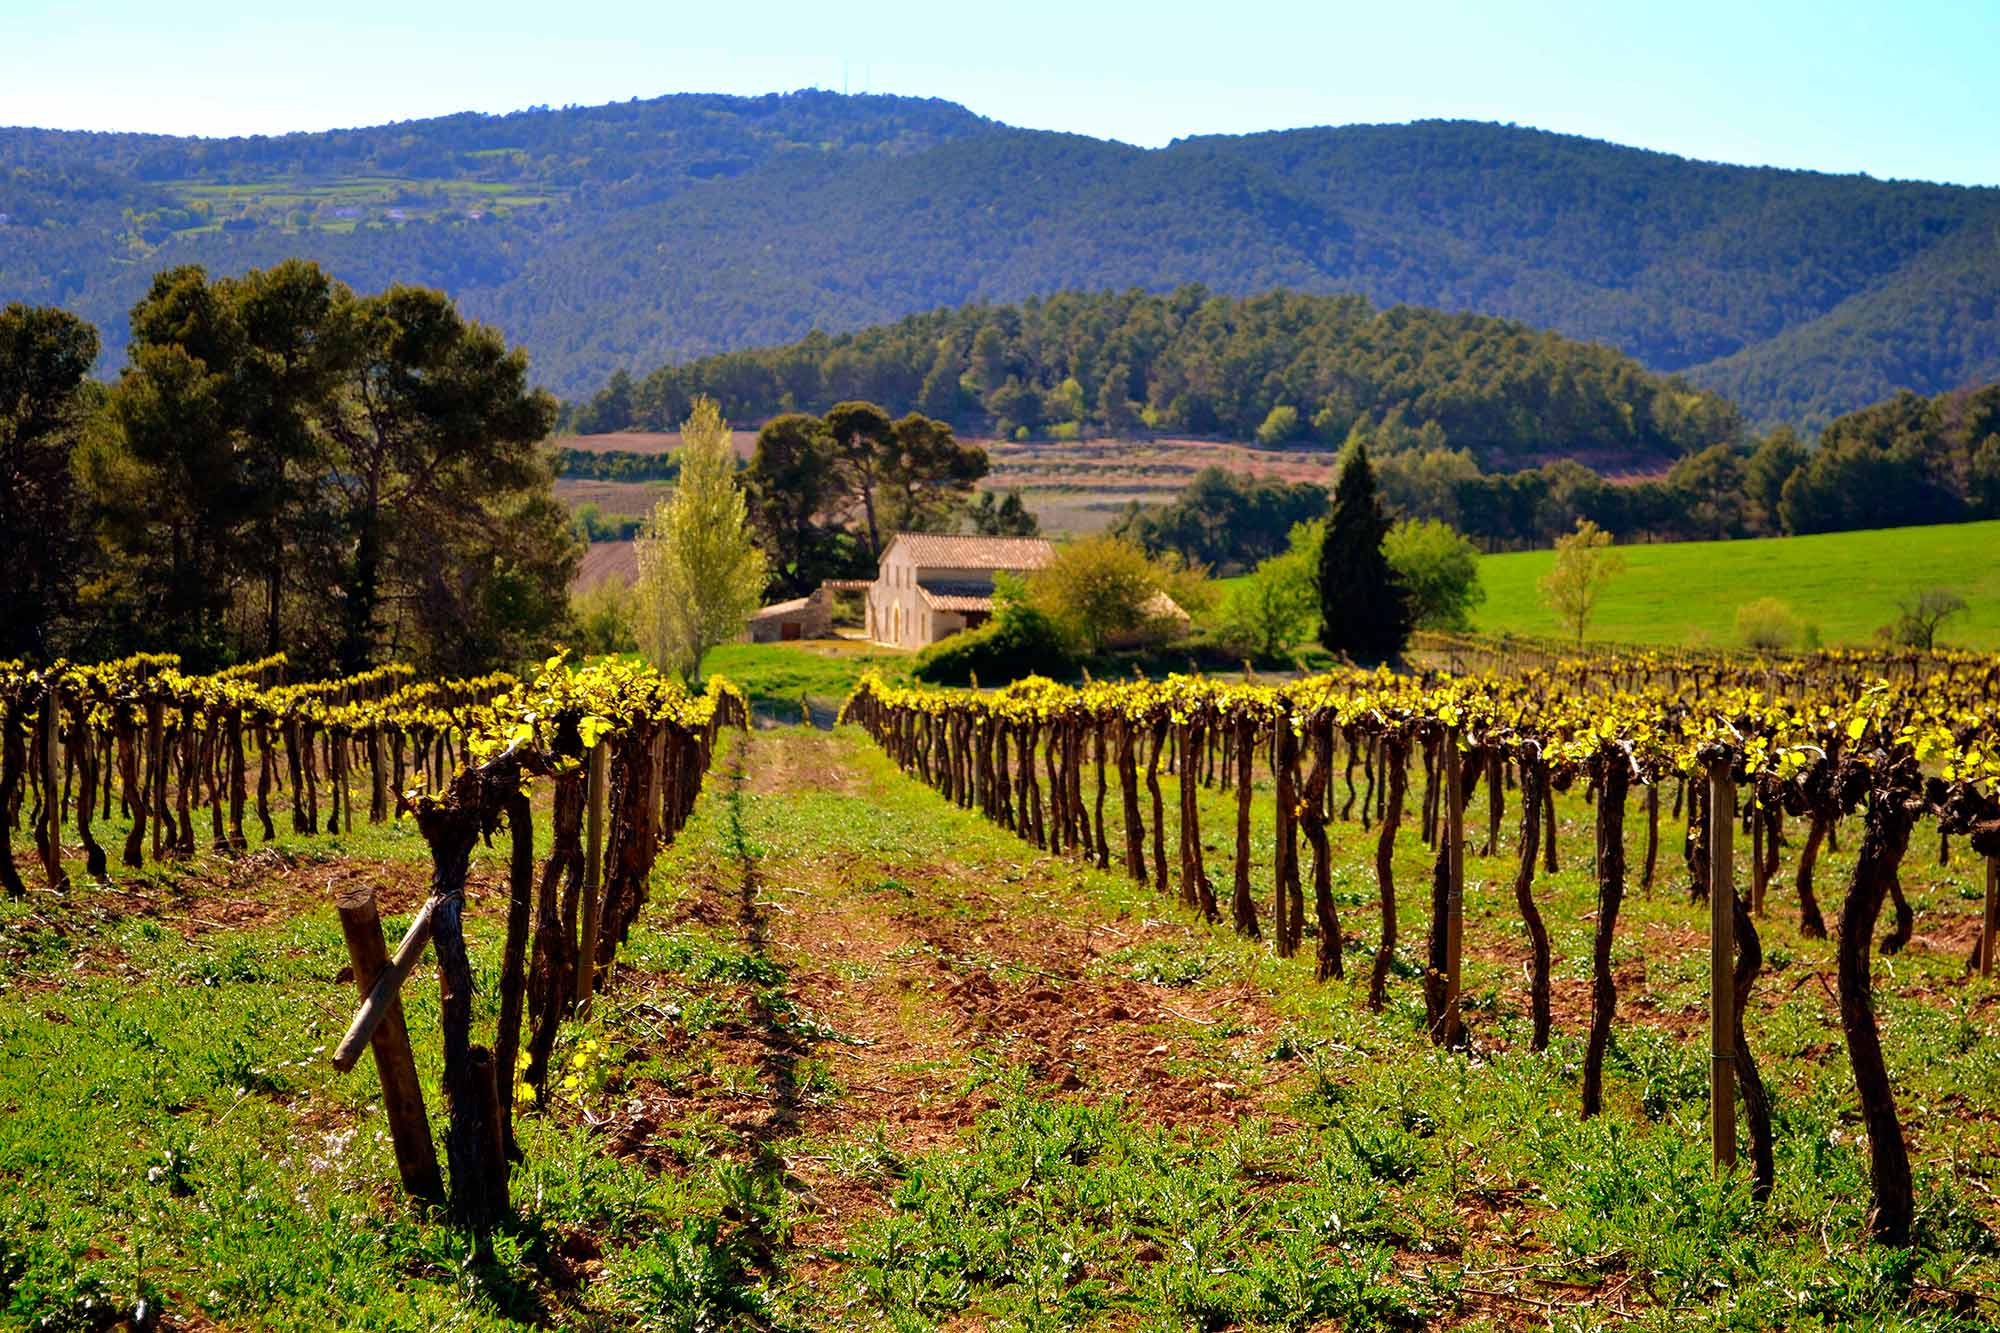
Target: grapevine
1904	738
459	757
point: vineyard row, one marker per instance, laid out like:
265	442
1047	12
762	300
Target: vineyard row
624	750
1736	754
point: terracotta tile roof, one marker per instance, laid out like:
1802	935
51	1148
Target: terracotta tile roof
938	551
792	607
955	597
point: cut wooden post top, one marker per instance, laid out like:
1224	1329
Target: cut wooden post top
355	897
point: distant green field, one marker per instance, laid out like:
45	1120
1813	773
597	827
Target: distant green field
1847	583
827	670
375	198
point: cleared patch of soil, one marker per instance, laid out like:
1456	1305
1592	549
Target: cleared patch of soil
932	988
203	895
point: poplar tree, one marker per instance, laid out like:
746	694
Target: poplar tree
1584	563
1364	609
699	575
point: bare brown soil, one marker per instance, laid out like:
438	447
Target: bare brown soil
934	987
611	497
606	560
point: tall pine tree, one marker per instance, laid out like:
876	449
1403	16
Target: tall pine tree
1364	611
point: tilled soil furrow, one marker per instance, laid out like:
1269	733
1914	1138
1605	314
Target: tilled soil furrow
931	986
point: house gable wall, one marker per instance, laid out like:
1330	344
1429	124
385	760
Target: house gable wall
898	614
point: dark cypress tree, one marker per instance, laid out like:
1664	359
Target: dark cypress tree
1364	611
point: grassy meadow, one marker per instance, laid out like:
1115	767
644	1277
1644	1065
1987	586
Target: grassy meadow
1846	583
778	676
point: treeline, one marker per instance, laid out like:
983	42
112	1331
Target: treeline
616	465
85	217
590	524
1934	328
672	228
1278	367
284	466
1907	461
620	143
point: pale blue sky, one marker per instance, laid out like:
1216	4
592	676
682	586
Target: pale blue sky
1892	89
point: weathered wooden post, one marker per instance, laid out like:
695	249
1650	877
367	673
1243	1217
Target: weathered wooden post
593	869
378	768
402	1096
1721	963
1989	938
388	985
52	794
1454	832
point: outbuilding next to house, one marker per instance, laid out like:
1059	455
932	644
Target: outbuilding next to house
801	618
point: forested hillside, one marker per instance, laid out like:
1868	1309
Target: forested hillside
646	232
1280	367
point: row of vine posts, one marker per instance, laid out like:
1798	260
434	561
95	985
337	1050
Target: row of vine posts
959	743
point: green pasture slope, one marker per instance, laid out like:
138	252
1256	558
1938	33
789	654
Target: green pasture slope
1847	583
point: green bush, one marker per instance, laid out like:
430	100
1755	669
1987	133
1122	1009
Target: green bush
601	616
1281	426
1019	641
1768	625
1440	572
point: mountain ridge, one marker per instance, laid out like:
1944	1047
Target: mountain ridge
638	233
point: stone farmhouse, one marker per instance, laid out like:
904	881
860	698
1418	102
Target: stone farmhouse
930	586
927	587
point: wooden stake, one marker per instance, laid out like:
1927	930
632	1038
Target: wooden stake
1454	832
378	768
593	869
382	992
402	1096
52	793
1722	964
1990	932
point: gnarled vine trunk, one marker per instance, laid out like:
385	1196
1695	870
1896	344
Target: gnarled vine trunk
1533	778
1610	896
1312	815
1395	754
1885	837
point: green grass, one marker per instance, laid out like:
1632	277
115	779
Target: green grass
1846	583
1374	1183
777	675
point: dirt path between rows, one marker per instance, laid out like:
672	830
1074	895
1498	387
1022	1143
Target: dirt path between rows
932	987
